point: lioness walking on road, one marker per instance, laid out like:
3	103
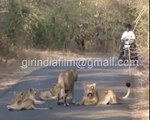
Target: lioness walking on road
66	81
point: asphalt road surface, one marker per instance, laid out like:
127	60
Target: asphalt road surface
106	78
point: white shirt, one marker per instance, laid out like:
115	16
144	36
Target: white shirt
128	35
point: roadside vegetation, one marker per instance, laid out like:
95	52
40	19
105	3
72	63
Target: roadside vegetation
76	25
71	25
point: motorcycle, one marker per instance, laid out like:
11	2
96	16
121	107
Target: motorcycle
129	51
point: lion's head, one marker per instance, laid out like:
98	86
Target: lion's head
90	90
32	91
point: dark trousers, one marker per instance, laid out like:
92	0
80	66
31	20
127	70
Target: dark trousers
121	50
132	49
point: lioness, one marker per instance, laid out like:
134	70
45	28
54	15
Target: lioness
94	96
31	95
66	81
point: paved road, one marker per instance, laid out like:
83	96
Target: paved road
105	77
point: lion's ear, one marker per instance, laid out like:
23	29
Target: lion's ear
22	93
31	89
94	84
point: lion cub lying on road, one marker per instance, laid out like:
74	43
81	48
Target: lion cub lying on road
31	95
24	101
50	93
17	96
94	96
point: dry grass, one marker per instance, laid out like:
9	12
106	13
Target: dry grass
7	74
141	105
34	53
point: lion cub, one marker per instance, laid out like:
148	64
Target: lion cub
21	104
50	93
24	101
17	96
94	96
31	95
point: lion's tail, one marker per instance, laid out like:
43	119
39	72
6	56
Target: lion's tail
129	91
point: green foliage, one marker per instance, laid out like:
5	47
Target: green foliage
49	24
142	27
